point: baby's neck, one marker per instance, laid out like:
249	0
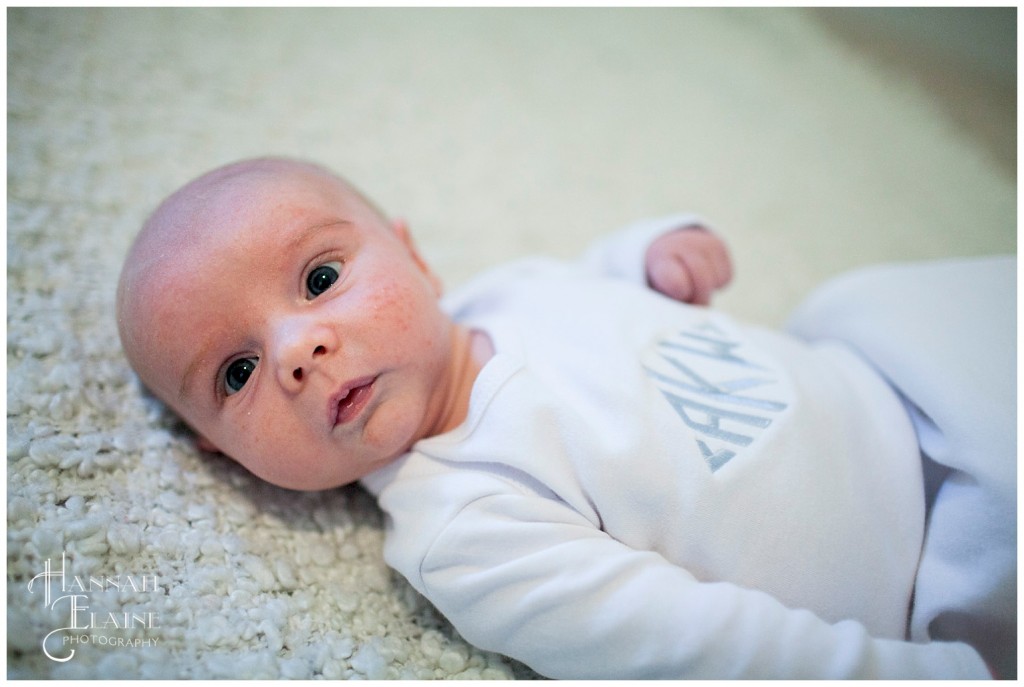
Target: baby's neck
471	349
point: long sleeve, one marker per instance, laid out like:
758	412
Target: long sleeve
621	254
531	578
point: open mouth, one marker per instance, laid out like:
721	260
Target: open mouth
351	400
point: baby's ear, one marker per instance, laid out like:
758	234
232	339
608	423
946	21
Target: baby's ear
401	229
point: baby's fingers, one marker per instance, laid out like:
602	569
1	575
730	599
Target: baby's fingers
721	263
702	274
668	274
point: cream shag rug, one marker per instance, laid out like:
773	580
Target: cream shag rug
496	133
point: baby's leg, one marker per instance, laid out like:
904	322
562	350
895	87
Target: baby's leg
944	334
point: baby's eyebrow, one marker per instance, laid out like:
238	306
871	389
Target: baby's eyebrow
304	234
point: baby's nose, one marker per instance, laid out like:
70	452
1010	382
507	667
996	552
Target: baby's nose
299	372
302	345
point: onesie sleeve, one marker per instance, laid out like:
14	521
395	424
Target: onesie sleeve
621	254
531	578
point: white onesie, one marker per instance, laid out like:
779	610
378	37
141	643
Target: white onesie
645	489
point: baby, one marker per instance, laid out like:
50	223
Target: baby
595	477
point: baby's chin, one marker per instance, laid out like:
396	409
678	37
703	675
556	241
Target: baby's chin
298	480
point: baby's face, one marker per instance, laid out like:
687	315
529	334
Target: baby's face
292	327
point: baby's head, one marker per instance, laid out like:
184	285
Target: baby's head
288	322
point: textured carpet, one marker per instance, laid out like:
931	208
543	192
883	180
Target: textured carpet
497	134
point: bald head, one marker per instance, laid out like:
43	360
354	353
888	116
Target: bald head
195	204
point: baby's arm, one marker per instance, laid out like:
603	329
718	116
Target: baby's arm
531	578
520	572
677	256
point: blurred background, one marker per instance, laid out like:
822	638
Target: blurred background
965	58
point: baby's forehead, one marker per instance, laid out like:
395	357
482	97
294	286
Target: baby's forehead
183	228
215	194
192	218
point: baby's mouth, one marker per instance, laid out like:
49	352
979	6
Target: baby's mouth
347	404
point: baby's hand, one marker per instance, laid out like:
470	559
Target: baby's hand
688	264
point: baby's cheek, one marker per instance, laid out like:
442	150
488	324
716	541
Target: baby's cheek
267	456
250	436
397	310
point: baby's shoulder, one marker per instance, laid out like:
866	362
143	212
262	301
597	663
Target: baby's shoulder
515	277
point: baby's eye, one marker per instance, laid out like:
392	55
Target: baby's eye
322	278
238	374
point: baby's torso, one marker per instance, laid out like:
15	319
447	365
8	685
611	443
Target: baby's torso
740	454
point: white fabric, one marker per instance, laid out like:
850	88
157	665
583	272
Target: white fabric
954	360
647	489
